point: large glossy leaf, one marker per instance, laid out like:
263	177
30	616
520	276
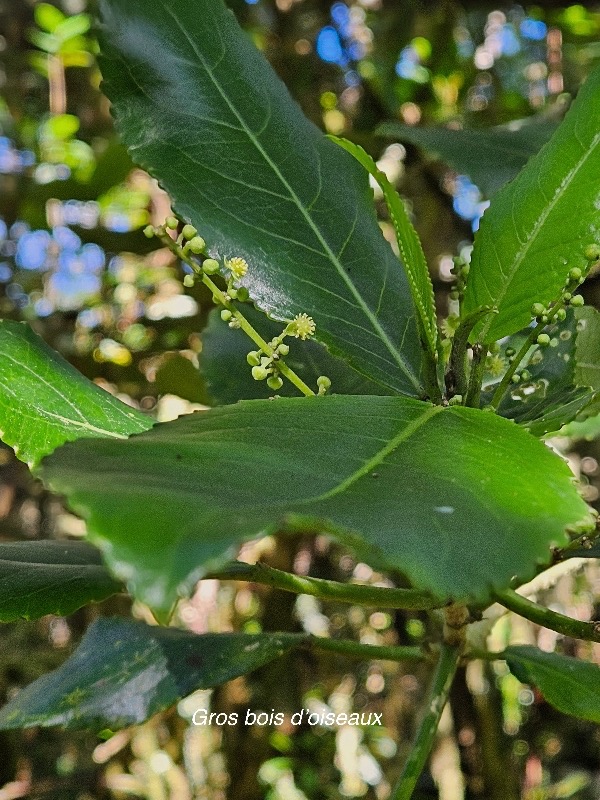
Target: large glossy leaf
45	402
569	684
490	157
456	498
228	376
200	108
124	672
530	235
49	577
557	390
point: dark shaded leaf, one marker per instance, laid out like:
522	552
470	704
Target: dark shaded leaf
228	376
554	395
49	577
200	108
124	672
490	157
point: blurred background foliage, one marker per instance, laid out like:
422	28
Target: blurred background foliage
75	265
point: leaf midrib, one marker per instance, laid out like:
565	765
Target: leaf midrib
296	200
404	434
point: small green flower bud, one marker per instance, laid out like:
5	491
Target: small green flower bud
577	301
526	375
510	352
323	382
235	323
260	373
567	296
243	295
210	266
149	232
456	400
188	281
226	315
197	245
516	378
233	294
172	223
189	232
575	274
454	295
283	349
543	340
592	252
561	314
545	319
537	309
253	358
274	382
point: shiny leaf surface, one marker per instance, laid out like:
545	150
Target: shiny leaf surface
170	504
200	108
50	577
530	236
44	401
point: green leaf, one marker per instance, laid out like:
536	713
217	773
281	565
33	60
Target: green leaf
258	180
588	429
45	402
170	504
569	684
409	245
587	356
530	236
49	577
490	157
177	375
124	672
555	394
228	376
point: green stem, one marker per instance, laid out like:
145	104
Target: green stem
369	651
248	329
430	372
473	398
483	655
438	695
567	626
460	344
357	594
